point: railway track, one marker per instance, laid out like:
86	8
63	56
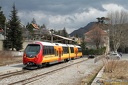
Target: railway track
7	75
13	74
42	75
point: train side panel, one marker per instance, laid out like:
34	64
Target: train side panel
50	52
79	52
53	54
71	51
65	52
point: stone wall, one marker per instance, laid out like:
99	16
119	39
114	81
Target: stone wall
24	45
1	45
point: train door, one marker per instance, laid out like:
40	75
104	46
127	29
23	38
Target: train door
76	51
59	52
69	51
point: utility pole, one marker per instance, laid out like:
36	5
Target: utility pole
5	31
51	35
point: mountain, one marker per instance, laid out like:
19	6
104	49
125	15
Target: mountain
80	32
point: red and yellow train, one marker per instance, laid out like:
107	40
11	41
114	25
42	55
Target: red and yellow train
39	53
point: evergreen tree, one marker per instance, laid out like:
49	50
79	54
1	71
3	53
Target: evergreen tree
14	37
33	21
65	34
2	19
29	27
43	26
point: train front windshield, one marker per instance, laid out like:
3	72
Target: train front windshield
32	50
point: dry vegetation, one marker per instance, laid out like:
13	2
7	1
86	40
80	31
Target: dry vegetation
115	69
6	58
115	72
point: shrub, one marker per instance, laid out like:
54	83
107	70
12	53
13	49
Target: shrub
115	69
99	51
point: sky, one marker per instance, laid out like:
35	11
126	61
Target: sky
57	14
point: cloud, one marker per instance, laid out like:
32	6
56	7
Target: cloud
70	22
57	14
113	7
27	16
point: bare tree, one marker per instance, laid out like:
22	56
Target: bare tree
96	37
118	28
104	23
101	20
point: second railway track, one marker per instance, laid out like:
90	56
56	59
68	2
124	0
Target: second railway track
13	74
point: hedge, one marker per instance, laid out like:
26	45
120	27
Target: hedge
99	51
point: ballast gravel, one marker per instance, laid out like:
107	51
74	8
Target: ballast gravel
72	75
69	76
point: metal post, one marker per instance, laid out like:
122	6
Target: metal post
51	35
5	31
52	38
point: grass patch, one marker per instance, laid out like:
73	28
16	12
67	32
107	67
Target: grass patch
6	58
115	72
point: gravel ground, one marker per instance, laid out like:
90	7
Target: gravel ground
72	75
69	76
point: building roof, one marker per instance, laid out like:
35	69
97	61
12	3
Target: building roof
35	26
94	32
95	29
65	38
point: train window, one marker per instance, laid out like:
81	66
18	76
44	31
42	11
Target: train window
65	49
44	50
32	49
48	50
51	48
72	49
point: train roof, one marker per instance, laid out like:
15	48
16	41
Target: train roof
78	46
45	43
70	45
60	44
54	44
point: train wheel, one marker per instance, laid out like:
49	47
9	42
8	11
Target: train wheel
66	60
81	56
40	66
72	58
47	64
